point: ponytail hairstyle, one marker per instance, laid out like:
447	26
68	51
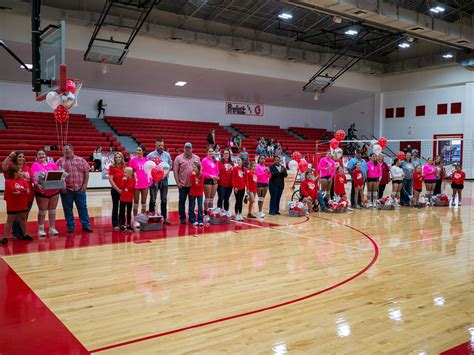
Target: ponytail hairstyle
395	161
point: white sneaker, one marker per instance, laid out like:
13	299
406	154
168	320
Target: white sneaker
369	204
53	231
239	217
41	232
261	214
195	223
136	225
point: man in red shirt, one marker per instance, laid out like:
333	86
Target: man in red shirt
75	191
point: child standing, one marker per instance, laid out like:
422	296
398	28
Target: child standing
429	172
238	182
309	191
251	183
458	176
195	194
358	179
127	186
339	183
417	185
17	193
397	174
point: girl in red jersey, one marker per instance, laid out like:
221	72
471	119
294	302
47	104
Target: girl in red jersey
195	194
339	183
127	188
17	194
417	185
458	176
238	182
358	179
309	191
251	183
224	188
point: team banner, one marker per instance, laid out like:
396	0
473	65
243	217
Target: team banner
243	109
107	160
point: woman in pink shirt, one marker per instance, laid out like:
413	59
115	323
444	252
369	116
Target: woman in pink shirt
210	174
143	181
374	173
429	173
327	170
263	176
47	200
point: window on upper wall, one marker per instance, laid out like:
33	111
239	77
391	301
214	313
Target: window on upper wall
455	107
420	110
400	112
389	112
442	109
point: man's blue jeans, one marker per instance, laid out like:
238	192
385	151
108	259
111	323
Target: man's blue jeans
79	198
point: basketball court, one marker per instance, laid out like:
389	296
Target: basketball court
365	281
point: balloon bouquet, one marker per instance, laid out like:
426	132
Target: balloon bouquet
61	103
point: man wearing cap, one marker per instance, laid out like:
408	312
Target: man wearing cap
182	168
350	167
416	158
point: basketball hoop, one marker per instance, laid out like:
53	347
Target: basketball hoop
78	83
104	66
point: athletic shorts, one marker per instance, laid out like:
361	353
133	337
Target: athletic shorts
209	182
457	186
397	181
430	181
418	190
262	184
16	212
39	194
326	177
372	179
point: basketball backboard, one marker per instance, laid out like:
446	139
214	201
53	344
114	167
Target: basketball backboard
52	53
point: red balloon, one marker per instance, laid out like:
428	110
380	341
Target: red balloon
383	142
61	114
340	135
303	165
156	160
401	155
296	156
157	173
334	143
71	86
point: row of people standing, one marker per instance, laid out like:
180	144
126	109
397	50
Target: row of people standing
221	177
22	187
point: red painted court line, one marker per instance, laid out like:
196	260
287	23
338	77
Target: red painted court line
27	326
466	348
198	325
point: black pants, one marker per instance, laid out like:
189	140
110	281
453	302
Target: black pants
98	164
183	195
275	196
162	187
223	196
359	200
437	189
128	207
381	190
239	198
115	207
331	192
99	110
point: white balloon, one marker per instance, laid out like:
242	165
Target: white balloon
338	153
68	99
373	142
293	165
149	165
377	149
53	99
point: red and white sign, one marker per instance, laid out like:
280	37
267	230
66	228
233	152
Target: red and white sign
243	109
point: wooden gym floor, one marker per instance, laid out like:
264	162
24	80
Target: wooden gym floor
362	282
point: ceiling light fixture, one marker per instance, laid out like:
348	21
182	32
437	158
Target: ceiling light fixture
28	66
437	9
404	45
448	55
285	16
351	32
180	83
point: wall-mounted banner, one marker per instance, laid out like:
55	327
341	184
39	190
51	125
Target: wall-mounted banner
243	109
